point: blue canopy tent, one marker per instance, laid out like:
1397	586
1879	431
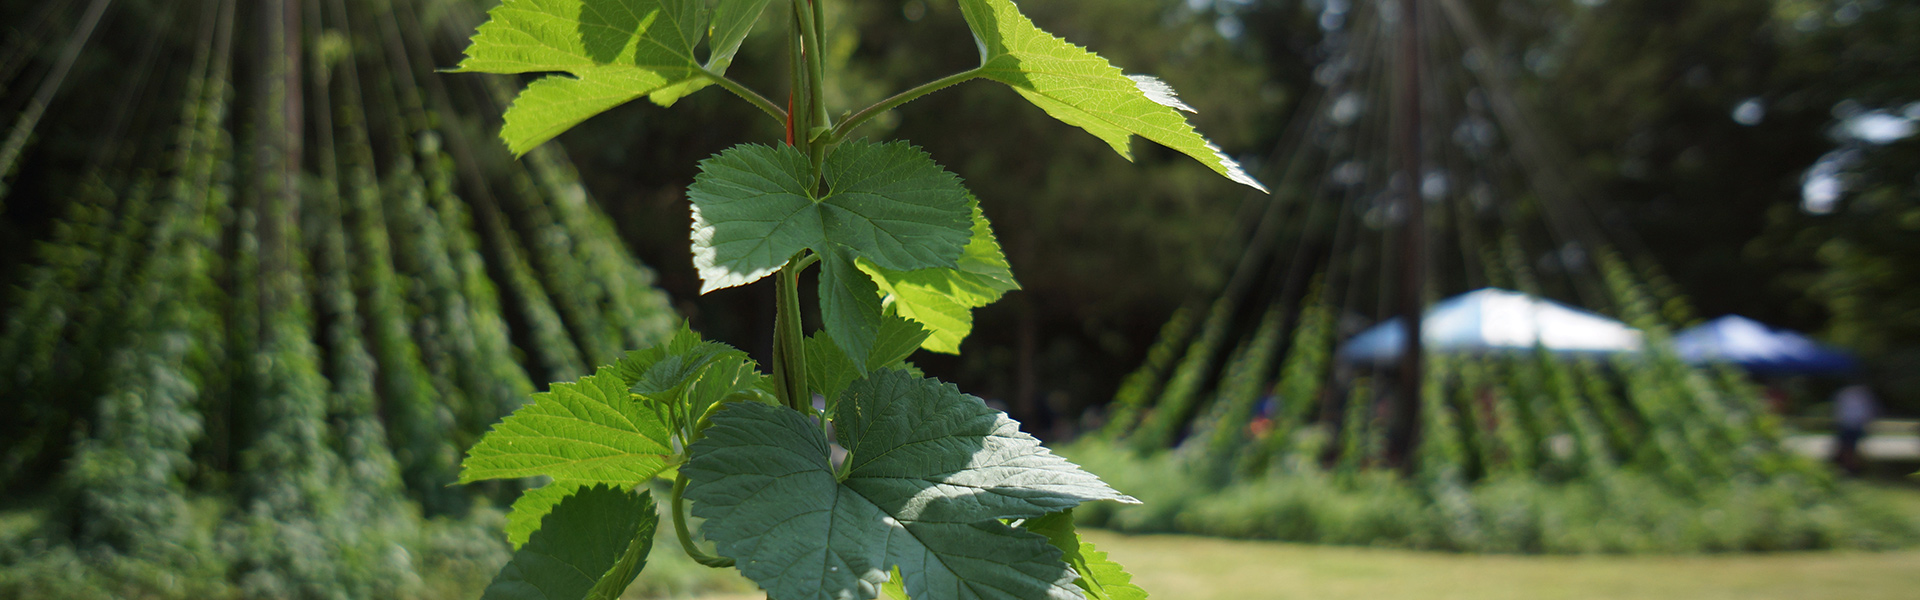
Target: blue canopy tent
1492	320
1759	349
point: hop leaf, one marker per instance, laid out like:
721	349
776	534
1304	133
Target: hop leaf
614	50
930	473
1100	577
755	207
614	427
1084	90
591	547
591	431
942	299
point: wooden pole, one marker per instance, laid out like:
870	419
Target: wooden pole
1404	426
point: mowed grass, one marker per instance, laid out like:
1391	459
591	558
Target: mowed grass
1177	567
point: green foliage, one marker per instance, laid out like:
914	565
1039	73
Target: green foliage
943	299
249	374
616	52
1225	429
829	371
1630	512
590	431
917	507
928	472
1101	578
1082	89
591	546
755	207
1161	426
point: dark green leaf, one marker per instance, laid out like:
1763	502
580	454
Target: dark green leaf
756	207
901	434
763	479
898	339
849	306
689	372
829	371
590	546
533	505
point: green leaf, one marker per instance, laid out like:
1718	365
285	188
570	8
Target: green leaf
591	546
1102	578
895	588
732	20
1084	90
689	373
898	339
943	299
615	50
591	431
829	370
900	433
532	506
755	207
850	309
932	472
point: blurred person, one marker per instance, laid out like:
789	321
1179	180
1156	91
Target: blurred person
1854	407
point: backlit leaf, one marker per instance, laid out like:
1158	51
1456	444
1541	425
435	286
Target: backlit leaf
1100	577
613	51
732	20
1084	90
943	299
590	431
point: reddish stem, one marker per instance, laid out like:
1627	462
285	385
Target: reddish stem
789	118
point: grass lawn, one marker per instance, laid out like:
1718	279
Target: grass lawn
1176	567
1182	567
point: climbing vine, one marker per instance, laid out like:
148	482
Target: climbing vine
842	472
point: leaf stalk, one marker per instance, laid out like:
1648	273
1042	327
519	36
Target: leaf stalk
746	93
686	538
846	127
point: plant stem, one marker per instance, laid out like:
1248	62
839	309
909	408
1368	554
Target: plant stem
846	127
789	356
813	18
686	538
745	93
799	99
809	109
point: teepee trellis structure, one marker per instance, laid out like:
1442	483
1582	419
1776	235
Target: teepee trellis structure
328	284
1414	115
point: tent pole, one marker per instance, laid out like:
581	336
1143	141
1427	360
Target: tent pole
1404	425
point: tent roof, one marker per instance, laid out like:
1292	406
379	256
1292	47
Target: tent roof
1494	319
1759	349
